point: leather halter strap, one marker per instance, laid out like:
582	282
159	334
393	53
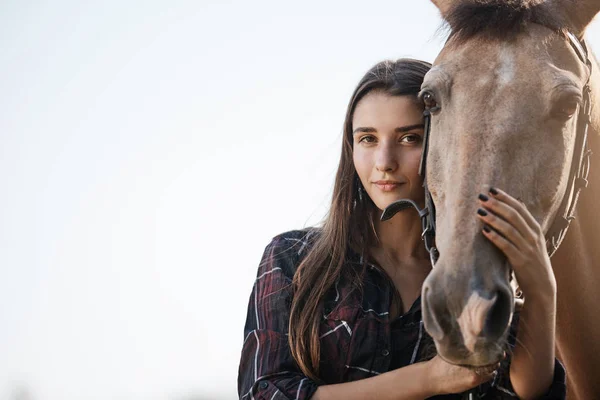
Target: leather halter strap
580	164
427	213
578	174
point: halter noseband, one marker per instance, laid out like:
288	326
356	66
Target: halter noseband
580	168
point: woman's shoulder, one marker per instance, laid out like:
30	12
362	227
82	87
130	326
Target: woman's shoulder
298	240
286	250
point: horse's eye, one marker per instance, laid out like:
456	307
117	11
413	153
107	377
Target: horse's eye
565	108
429	100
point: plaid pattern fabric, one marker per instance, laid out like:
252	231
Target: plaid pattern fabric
358	339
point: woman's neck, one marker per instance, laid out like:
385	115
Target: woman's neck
400	238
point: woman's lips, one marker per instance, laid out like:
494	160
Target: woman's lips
387	186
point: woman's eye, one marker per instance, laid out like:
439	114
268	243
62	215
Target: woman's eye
367	139
411	139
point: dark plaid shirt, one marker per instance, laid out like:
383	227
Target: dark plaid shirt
358	337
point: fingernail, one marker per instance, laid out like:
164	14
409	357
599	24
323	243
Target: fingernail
482	212
483	197
487	228
493	191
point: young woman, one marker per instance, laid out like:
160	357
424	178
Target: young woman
335	311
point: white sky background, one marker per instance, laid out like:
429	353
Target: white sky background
148	153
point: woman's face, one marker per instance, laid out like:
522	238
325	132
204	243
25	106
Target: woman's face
388	136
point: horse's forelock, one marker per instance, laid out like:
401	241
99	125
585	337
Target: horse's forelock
496	19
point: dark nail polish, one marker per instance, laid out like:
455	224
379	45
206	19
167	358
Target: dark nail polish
493	191
483	197
487	228
482	212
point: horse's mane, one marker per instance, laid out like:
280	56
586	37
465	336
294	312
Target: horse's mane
497	19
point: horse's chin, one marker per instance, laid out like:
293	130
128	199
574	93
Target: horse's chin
482	360
485	370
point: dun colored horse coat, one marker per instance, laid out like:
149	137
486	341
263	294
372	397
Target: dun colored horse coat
501	81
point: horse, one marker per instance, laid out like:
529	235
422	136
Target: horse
505	97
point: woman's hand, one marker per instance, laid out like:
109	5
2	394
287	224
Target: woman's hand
509	225
447	378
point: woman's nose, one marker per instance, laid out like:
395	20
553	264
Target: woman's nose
386	159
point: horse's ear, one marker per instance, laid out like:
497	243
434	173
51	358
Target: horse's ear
579	12
443	5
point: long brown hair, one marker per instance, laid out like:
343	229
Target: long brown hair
349	223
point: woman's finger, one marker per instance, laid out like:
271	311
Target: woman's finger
516	205
509	214
502	227
510	251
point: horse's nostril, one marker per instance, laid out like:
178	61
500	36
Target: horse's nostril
430	318
499	315
484	317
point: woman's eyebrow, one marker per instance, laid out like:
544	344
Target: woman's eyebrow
409	128
400	129
364	130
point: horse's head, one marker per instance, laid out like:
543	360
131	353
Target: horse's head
508	85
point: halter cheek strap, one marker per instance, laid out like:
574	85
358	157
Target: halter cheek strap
580	164
427	213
